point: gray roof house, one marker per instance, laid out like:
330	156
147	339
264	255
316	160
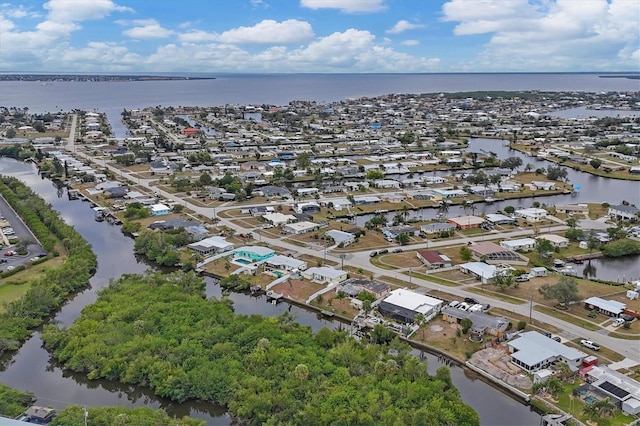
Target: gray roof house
624	212
533	351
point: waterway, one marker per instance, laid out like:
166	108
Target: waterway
594	189
32	368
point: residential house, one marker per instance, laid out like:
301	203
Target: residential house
271	191
284	263
499	219
215	244
365	199
466	222
521	244
572	208
622	390
251	254
531	214
543	185
433	259
159	209
556	241
393	232
437	228
538	271
354	286
481	323
610	308
533	351
279	219
482	271
300	227
403	305
325	275
624	212
386	184
341	237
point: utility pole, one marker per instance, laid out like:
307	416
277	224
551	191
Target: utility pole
530	308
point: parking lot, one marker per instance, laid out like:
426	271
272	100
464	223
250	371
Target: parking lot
9	221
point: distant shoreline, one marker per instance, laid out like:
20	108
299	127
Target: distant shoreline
629	77
95	77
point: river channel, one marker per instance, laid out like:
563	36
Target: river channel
31	368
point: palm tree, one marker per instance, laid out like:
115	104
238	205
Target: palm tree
604	407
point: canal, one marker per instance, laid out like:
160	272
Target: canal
31	368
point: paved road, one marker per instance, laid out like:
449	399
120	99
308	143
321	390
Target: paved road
22	232
630	349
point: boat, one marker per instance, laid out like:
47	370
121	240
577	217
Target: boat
37	415
489	200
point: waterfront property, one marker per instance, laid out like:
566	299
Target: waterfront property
466	222
253	254
533	351
481	323
556	241
284	263
499	219
493	253
624	212
532	214
159	210
437	228
393	232
325	275
622	390
354	286
215	244
403	305
611	308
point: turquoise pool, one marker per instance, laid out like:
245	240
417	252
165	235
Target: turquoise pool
243	261
590	400
278	273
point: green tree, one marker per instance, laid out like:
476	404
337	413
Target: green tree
465	253
303	161
10	133
381	335
543	247
503	280
374	175
466	324
565	291
604	407
595	163
403	239
509	209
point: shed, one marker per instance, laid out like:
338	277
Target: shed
538	271
542	376
632	294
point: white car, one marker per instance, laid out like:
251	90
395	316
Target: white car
589	344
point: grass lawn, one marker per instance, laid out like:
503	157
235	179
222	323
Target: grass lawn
15	286
397	260
332	303
298	290
431	278
496	295
536	325
398	283
10	291
567	317
443	335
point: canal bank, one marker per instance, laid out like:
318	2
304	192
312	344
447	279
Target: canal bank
32	368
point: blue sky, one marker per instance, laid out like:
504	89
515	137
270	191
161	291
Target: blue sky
258	36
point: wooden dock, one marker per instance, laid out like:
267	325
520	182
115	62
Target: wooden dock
579	258
274	296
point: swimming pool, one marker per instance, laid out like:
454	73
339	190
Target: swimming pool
243	261
590	400
278	273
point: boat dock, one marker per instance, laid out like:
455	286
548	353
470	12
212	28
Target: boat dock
579	258
274	296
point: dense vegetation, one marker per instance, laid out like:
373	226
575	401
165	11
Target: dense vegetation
159	331
621	248
73	415
13	401
160	246
49	290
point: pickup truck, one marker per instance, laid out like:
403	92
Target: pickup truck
589	344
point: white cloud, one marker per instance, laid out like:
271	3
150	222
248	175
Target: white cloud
402	26
81	10
410	42
17	12
346	6
197	36
147	29
269	32
550	35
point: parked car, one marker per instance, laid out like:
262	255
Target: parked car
471	301
383	251
373	254
397	250
9	253
522	278
589	344
557	338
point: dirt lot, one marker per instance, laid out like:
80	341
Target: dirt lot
401	260
332	303
299	290
455	276
443	335
497	363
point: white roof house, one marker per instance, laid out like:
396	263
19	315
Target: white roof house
286	263
619	387
483	271
300	227
524	244
325	275
403	305
532	214
533	351
555	240
278	219
215	244
341	237
606	307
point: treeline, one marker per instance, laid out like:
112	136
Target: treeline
159	331
73	415
13	402
48	291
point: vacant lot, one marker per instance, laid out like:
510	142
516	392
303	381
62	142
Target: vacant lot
298	290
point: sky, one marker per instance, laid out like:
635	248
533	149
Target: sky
319	36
